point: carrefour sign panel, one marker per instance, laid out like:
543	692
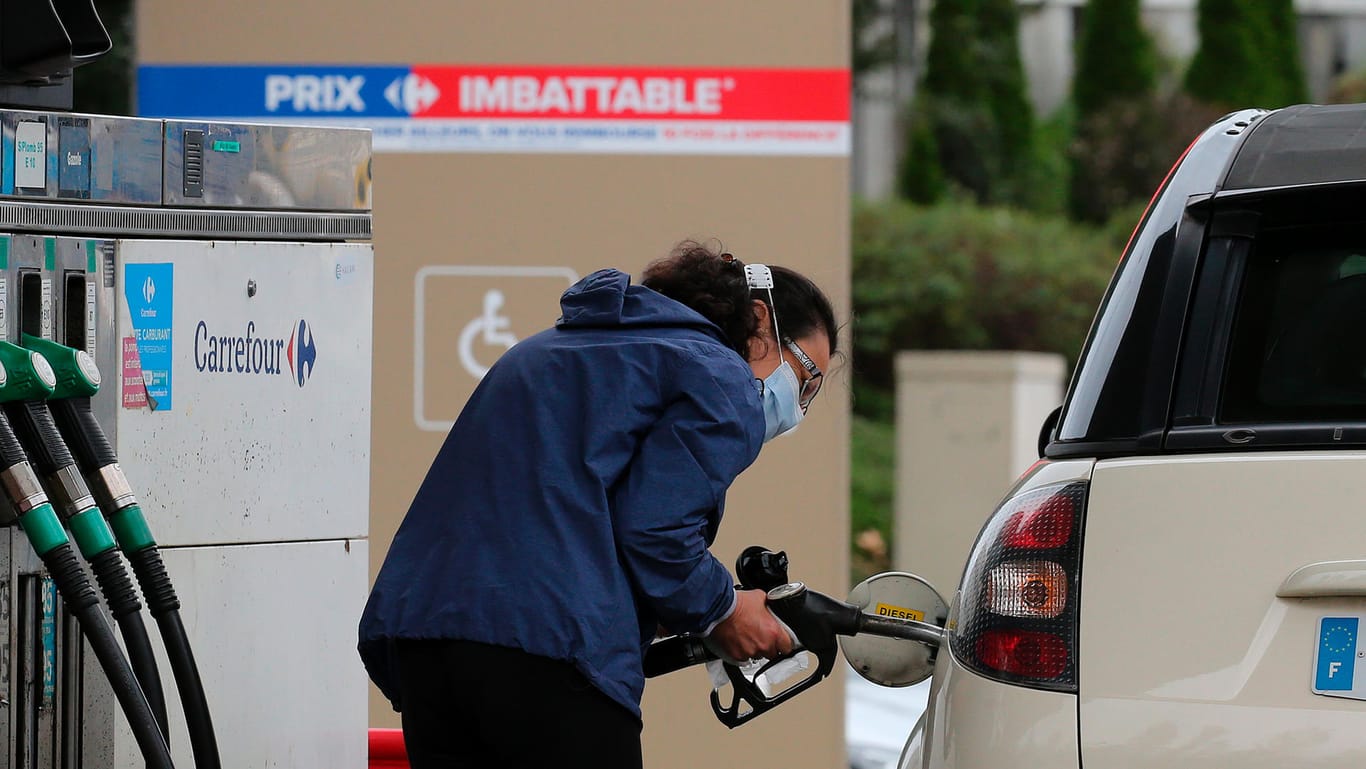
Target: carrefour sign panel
433	108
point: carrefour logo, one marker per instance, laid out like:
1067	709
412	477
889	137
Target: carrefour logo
256	354
411	93
301	353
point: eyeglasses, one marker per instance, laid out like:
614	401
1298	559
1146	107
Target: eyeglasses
812	385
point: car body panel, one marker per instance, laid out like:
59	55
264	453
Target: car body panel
1187	654
971	721
974	722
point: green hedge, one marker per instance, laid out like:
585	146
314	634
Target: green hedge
965	277
956	277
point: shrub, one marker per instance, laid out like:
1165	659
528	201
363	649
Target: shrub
966	277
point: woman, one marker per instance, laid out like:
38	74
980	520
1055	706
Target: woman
568	514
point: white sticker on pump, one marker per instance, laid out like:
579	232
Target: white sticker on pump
46	319
30	155
90	331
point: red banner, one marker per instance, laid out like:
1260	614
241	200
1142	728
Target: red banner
630	93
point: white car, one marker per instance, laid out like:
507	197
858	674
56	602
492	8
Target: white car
1181	581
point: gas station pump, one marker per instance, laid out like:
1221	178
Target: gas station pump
185	335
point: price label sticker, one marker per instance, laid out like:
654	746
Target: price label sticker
30	155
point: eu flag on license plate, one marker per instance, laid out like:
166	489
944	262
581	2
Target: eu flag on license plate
1337	653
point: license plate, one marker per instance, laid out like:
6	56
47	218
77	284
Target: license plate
1340	658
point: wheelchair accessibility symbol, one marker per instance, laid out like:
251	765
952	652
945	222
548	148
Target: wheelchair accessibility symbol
490	329
465	317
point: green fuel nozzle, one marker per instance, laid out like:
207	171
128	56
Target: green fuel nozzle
77	380
74	371
25	375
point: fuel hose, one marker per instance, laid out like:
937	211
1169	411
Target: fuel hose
32	423
26	377
78	379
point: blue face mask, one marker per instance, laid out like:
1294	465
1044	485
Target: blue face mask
781	412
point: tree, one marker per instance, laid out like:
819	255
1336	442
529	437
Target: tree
972	123
872	46
1248	55
1117	155
1282	39
1012	116
1115	57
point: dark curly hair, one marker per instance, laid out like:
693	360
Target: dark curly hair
712	282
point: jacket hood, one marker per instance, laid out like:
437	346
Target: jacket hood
606	298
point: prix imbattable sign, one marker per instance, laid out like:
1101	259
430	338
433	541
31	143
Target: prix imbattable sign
437	108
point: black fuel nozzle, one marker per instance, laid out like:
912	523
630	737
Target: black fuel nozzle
759	568
815	619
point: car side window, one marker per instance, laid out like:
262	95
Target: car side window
1298	349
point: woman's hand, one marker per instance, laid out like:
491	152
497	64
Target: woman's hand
752	630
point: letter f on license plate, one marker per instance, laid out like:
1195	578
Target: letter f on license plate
1336	658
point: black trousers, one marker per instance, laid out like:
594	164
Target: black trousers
467	705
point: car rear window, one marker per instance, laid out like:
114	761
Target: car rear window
1298	349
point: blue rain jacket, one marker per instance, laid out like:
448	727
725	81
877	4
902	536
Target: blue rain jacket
569	512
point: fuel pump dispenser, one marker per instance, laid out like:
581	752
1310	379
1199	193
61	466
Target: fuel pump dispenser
219	276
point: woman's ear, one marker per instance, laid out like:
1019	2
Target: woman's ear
762	314
761	347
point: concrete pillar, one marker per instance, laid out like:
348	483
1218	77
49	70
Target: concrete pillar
1047	42
967	425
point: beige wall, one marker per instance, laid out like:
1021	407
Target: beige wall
583	212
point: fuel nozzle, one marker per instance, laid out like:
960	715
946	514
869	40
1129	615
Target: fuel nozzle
74	372
76	380
24	374
758	568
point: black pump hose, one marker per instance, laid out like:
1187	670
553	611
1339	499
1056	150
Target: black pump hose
123	602
80	600
86	439
165	608
46	534
33	423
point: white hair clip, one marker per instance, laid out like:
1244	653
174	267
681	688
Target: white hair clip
759	276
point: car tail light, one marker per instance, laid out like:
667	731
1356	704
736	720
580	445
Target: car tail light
1016	618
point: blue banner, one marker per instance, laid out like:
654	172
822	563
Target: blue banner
1337	653
277	91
